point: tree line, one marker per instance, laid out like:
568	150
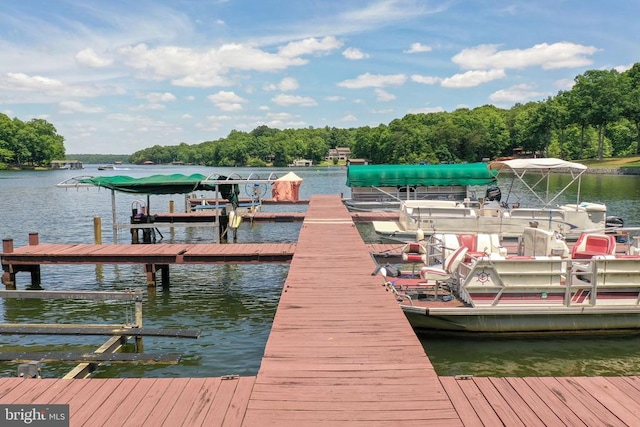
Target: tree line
598	117
32	143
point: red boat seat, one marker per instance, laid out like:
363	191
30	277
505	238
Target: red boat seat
589	245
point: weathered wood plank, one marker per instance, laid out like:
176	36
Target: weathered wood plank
463	407
81	357
80	329
102	412
164	404
612	398
538	406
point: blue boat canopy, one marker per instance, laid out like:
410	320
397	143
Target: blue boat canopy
420	175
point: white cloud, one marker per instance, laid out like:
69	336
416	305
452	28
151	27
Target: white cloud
46	89
427	80
208	67
425	110
354	54
472	78
384	11
309	46
285	85
374	80
219	118
384	96
156	97
149	107
518	93
547	56
622	68
349	118
334	98
285	100
67	107
91	59
418	48
564	84
227	101
281	116
36	83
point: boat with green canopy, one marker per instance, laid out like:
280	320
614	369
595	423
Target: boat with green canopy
384	187
225	188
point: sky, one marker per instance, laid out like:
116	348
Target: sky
118	76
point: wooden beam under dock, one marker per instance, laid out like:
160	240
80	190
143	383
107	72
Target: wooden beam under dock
79	357
79	329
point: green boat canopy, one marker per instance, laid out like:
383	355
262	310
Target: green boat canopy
163	184
420	175
154	184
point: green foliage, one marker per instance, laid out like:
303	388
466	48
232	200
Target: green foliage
34	143
98	159
598	117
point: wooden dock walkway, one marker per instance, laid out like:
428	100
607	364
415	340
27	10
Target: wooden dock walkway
340	350
340	353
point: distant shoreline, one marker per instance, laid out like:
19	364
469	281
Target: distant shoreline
613	171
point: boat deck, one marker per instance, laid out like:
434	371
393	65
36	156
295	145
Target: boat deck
340	353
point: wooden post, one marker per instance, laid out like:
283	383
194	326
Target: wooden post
36	277
34	239
7	246
171	210
150	269
139	344
97	230
164	270
8	275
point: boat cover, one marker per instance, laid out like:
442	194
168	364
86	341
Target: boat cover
154	184
286	188
163	184
420	175
543	163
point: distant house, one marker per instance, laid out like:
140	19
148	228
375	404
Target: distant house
340	153
357	162
66	164
301	162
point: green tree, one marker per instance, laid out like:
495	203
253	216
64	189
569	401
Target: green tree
603	91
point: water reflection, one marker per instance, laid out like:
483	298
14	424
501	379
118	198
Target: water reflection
535	356
234	305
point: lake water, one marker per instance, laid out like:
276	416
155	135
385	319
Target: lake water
233	305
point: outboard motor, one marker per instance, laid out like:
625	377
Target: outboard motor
613	222
493	194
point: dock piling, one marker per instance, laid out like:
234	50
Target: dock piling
97	230
34	239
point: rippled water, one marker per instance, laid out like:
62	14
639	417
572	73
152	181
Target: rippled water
233	305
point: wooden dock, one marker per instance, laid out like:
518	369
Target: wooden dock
340	353
155	258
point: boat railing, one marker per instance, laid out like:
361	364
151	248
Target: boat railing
550	281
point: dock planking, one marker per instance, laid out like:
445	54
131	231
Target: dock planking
340	353
162	253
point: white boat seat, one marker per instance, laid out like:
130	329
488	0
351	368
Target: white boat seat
451	263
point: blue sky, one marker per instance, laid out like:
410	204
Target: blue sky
118	76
